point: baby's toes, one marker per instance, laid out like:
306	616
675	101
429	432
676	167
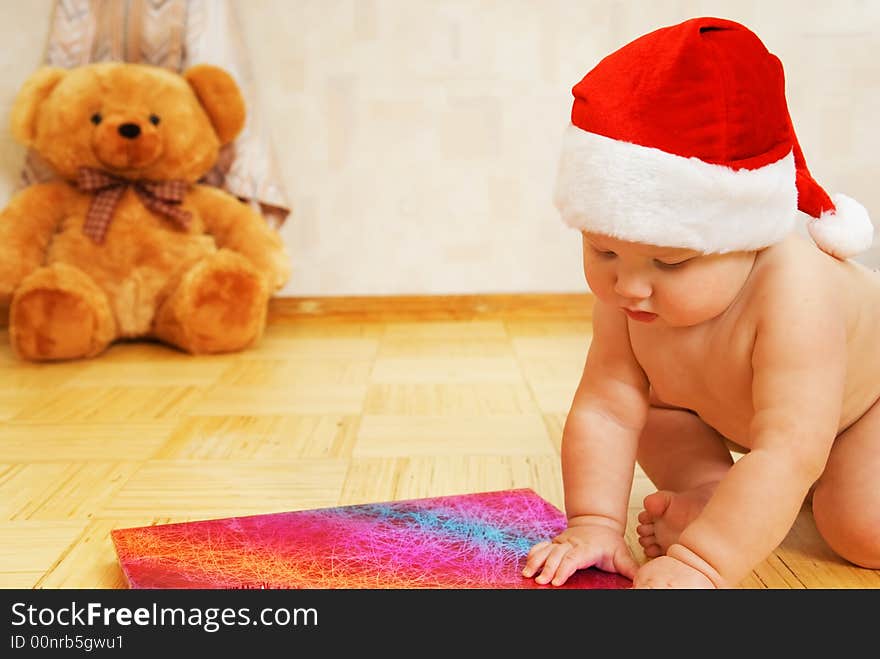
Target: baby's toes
653	551
645	530
649	544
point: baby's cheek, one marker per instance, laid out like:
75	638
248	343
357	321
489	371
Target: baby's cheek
696	306
599	282
603	292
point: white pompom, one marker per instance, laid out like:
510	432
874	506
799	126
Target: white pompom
845	232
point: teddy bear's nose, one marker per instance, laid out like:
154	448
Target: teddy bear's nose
129	131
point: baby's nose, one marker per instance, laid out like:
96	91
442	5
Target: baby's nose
633	287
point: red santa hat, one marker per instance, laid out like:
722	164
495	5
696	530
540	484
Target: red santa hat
682	138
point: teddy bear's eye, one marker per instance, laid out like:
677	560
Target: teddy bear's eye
154	119
96	118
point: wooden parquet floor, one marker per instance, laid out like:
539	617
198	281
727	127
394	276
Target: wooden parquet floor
344	401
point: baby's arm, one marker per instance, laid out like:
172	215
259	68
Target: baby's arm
799	370
599	445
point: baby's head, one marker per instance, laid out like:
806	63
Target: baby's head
679	287
682	139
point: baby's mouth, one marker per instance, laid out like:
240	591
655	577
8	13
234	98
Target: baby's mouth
641	316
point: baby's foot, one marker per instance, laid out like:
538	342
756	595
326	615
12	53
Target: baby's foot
666	515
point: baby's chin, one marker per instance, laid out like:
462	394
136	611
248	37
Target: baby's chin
671	316
689	317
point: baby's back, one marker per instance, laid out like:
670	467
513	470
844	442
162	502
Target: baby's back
798	268
859	290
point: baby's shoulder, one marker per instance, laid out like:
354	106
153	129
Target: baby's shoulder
792	265
795	277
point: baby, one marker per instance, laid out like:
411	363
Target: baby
713	321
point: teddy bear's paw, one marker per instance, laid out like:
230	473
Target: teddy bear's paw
219	306
52	324
228	312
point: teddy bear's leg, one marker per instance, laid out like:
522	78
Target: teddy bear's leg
59	312
218	305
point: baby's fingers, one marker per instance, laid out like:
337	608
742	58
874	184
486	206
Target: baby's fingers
536	557
557	554
576	558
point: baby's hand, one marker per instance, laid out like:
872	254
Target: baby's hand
668	572
580	547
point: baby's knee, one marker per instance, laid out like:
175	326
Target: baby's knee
849	527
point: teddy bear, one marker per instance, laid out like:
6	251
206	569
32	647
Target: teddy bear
126	244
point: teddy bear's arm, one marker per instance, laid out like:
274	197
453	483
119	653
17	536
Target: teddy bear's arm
234	225
27	224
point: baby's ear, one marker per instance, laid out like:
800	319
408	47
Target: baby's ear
221	98
35	90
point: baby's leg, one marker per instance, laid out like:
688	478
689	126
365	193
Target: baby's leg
846	500
685	459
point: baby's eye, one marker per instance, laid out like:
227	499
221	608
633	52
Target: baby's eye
664	265
605	253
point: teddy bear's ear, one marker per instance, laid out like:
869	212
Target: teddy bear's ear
220	97
35	90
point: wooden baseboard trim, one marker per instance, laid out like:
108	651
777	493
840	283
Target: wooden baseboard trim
567	306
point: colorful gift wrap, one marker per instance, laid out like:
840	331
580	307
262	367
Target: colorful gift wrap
462	541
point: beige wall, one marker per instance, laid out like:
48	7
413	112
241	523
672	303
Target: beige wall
419	137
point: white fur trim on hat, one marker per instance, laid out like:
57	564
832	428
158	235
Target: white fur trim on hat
844	232
643	194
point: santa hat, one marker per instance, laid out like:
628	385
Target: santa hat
682	138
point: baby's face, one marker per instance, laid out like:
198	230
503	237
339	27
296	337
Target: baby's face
668	285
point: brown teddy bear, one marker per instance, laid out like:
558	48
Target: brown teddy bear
126	244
